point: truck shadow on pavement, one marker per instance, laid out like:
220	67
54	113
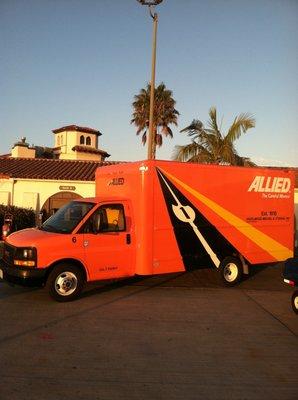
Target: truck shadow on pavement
261	277
147	283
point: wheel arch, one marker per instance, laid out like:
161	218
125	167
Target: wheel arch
68	260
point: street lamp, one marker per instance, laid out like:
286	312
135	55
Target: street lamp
151	138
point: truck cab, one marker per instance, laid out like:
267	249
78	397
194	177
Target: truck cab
86	240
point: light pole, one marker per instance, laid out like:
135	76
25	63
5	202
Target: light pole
151	137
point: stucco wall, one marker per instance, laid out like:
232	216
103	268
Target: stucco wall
22	152
30	193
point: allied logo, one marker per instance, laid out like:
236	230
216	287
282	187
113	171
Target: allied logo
268	184
116	182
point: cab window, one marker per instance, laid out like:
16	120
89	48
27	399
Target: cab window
107	218
67	217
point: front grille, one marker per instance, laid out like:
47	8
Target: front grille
8	253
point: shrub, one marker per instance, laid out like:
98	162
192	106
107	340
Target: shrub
22	217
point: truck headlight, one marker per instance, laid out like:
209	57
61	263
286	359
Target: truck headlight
27	253
25	257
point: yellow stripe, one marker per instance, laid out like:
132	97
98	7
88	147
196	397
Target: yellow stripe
264	241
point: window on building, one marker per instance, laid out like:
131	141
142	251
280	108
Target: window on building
88	141
58	140
82	139
61	139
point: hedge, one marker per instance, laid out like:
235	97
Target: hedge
22	217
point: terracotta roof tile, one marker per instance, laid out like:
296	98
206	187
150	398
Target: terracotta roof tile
37	168
83	129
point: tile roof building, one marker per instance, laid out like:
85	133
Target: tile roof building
72	142
45	178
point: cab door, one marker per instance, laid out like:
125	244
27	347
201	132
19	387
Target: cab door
108	242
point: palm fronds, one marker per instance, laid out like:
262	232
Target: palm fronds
209	145
164	113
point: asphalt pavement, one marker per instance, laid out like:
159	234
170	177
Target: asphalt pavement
181	336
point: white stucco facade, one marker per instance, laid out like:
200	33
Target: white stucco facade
33	193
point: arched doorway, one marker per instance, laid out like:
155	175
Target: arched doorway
56	201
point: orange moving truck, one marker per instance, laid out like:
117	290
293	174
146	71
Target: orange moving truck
157	217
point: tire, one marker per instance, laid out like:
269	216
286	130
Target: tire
65	282
231	271
295	301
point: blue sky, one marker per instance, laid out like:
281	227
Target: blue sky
82	61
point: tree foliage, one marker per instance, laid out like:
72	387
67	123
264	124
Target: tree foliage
210	146
22	217
164	113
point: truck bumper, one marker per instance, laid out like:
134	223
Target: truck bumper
22	276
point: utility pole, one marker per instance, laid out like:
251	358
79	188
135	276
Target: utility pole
151	137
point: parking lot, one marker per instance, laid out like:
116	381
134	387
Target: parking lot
179	336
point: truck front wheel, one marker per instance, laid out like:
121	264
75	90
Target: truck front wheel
65	282
231	271
295	301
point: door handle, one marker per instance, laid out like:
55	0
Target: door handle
128	238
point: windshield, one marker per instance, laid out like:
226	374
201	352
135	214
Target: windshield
67	217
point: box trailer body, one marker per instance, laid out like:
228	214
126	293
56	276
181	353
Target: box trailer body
157	217
183	212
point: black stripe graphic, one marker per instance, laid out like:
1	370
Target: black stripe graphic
193	253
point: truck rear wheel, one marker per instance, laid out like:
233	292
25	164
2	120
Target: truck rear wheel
231	271
65	282
295	301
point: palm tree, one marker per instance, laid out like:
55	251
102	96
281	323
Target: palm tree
210	146
164	113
